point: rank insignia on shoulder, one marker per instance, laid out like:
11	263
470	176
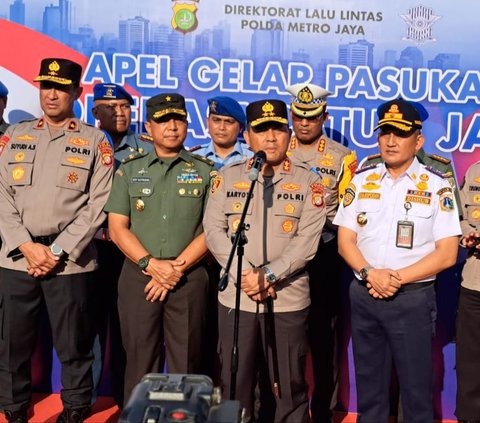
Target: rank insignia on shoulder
363	169
435	171
203	159
133	156
195	148
440	158
146	137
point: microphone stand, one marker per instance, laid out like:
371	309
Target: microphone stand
239	239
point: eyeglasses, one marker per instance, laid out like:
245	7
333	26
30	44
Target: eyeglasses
111	108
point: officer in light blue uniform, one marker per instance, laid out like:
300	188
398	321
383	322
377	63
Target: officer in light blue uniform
225	121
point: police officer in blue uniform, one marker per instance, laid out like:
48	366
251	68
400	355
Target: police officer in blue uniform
398	228
225	121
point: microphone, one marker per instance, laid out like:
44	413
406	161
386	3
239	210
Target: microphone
259	160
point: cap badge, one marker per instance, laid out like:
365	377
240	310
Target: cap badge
213	106
305	95
168	98
268	109
54	67
109	92
393	113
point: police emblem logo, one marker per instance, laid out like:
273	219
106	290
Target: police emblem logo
268	109
420	20
305	95
19	157
18	173
106	152
53	68
287	226
72	177
289	208
109	92
217	181
184	18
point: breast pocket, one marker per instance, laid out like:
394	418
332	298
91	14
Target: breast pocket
189	201
472	204
20	167
286	217
74	172
141	198
233	211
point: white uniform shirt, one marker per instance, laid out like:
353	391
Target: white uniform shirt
375	196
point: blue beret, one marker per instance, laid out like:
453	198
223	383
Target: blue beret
422	112
227	106
111	92
3	90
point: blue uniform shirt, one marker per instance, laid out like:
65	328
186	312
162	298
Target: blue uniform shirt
240	152
131	144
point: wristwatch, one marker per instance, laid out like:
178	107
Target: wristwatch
269	275
56	250
143	262
364	272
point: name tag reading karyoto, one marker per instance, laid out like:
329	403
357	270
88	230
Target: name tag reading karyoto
404	234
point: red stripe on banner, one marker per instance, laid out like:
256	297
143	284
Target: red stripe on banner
23	49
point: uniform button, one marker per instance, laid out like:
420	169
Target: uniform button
164	216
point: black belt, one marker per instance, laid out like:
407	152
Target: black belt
407	287
45	239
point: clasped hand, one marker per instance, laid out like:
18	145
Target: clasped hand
165	275
383	283
255	285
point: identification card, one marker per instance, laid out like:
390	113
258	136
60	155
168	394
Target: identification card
405	234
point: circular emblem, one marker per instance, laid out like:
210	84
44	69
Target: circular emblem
476	199
140	205
19	157
422	185
362	219
72	177
237	206
476	214
423	177
185	19
196	191
181	191
18	173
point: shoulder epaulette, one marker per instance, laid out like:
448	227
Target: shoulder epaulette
135	155
363	169
439	158
203	159
146	137
374	156
435	171
195	148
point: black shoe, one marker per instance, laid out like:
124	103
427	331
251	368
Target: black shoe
16	416
77	415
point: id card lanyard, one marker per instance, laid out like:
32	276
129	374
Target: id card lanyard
405	230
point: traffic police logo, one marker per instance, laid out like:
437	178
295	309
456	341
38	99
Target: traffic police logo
18	173
72	177
184	17
420	20
305	95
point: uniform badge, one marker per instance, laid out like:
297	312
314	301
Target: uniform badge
414	176
140	205
446	199
424	177
349	195
81	142
235	224
237	206
477	179
196	192
25	137
40	124
72	177
146	191
182	191
18	173
362	219
217	181
475	214
184	19
291	187
370	186
287	165
327	160
72	125
317	194
293	143
287	226
326	182
75	160
321	145
373	177
3	142
241	185
476	199
422	185
106	152
19	157
289	208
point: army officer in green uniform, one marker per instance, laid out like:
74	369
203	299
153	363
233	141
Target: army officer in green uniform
155	217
